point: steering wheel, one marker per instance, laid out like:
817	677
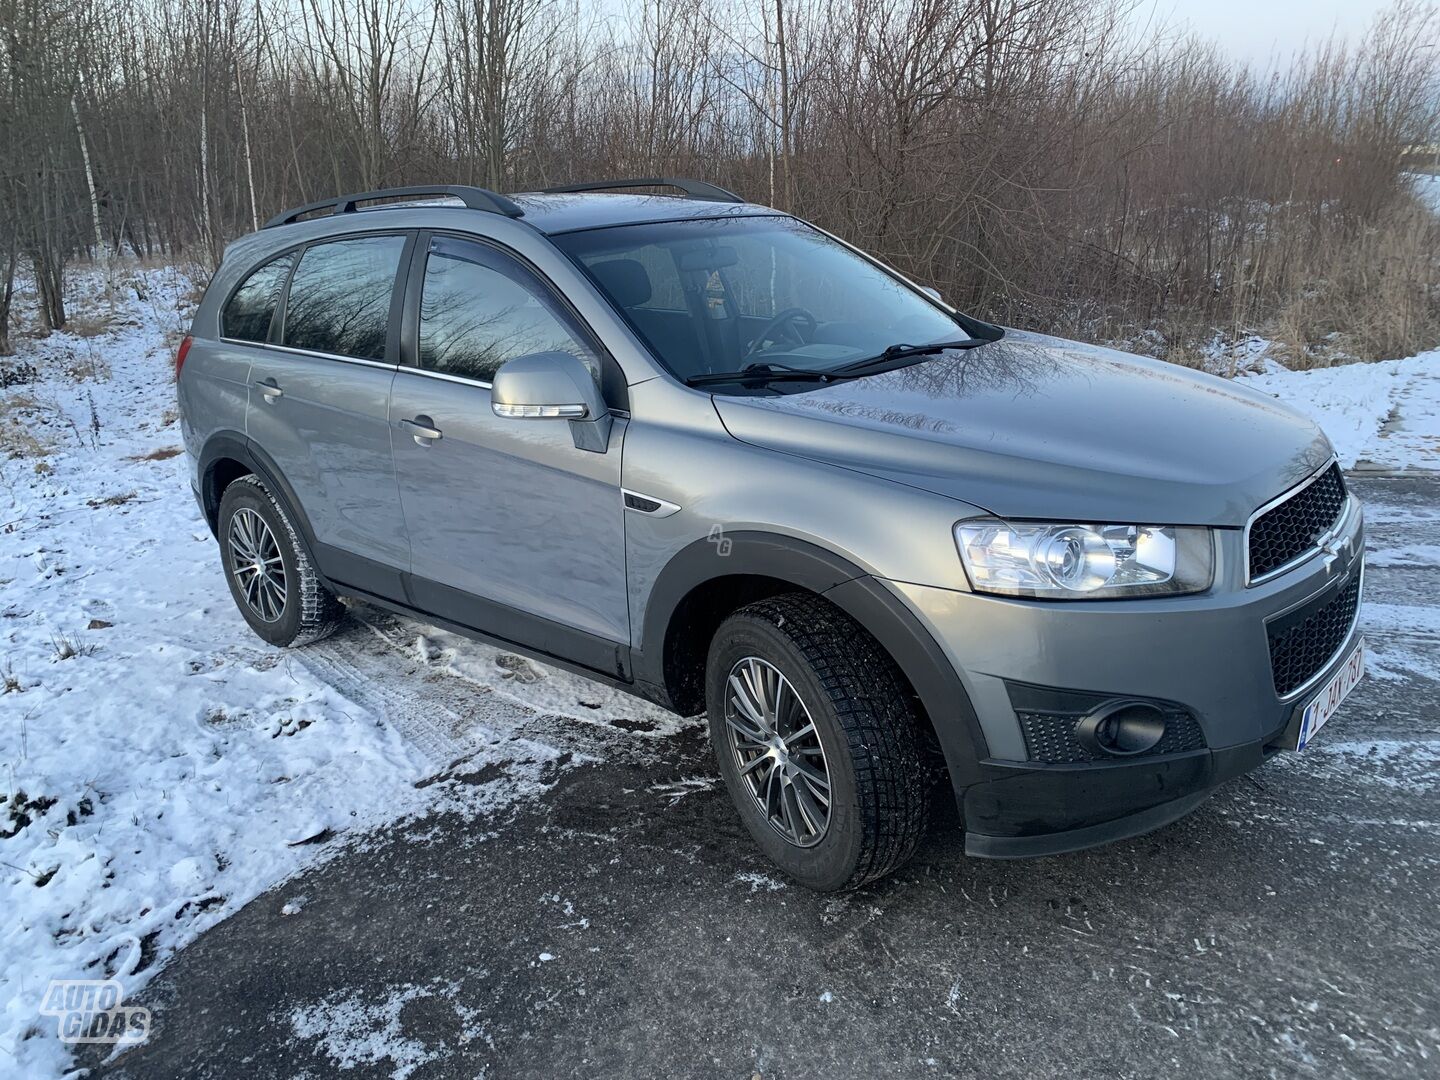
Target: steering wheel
791	319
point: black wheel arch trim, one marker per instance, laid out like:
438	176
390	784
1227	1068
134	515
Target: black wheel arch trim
340	570
234	446
865	598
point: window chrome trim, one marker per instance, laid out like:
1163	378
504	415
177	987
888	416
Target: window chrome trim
1342	520
1345	643
444	376
312	353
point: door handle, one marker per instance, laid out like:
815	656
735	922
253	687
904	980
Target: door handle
421	428
272	392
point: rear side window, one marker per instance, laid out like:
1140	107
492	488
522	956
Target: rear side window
339	300
247	316
479	308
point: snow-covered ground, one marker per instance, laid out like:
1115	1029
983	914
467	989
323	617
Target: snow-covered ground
1384	416
160	766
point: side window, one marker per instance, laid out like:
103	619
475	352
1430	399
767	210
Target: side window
479	309
339	299
247	316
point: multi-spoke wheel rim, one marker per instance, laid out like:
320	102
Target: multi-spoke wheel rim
777	751
256	565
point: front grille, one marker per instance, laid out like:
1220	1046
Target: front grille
1301	644
1050	736
1286	532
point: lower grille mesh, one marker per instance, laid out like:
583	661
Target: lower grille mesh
1051	737
1301	645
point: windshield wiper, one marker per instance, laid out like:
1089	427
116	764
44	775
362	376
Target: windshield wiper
871	365
903	351
760	373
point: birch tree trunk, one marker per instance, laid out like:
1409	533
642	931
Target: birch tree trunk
102	250
249	158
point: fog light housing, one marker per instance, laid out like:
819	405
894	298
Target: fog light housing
1121	728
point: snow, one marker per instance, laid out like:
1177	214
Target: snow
353	1032
1384	415
160	766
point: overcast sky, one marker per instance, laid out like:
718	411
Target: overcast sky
1254	30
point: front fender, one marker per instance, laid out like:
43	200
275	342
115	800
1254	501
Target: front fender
866	599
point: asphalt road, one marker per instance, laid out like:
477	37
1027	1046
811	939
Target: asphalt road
623	925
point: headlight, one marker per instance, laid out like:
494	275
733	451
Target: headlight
1090	562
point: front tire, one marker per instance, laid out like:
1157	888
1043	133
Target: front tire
803	704
271	578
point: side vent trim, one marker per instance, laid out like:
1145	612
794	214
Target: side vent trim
648	505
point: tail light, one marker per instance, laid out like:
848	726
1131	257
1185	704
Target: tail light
181	354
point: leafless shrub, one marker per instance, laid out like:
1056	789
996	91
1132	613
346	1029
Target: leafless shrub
1039	161
67	647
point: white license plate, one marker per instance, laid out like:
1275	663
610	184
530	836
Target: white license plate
1324	704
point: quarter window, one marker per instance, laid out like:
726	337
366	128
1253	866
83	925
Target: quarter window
479	309
248	314
339	300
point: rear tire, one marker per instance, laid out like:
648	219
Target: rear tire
271	578
865	724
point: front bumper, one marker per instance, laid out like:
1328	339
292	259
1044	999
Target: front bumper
1209	653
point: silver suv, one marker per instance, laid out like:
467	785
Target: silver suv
705	452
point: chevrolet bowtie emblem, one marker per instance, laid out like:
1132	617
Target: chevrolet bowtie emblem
1332	547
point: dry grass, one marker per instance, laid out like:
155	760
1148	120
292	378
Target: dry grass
18	428
87	365
91	325
113	500
67	647
165	453
1376	298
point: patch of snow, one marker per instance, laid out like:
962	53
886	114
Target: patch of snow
547	690
758	881
1406	555
1250	353
672	792
1400	618
353	1032
1410	765
1386	414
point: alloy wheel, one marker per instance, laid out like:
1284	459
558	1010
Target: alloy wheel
256	565
777	751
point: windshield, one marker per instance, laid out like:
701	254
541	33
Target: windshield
719	295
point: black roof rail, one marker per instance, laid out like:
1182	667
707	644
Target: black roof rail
473	197
694	189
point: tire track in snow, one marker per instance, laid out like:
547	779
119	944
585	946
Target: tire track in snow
446	716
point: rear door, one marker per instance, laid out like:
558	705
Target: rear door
513	529
319	393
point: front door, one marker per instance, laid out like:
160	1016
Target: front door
513	529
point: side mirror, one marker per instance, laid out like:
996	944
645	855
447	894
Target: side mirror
933	293
553	386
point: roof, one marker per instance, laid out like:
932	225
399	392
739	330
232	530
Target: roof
552	213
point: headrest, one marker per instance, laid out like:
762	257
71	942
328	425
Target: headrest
624	279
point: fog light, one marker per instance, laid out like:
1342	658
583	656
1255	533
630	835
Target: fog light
1121	728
